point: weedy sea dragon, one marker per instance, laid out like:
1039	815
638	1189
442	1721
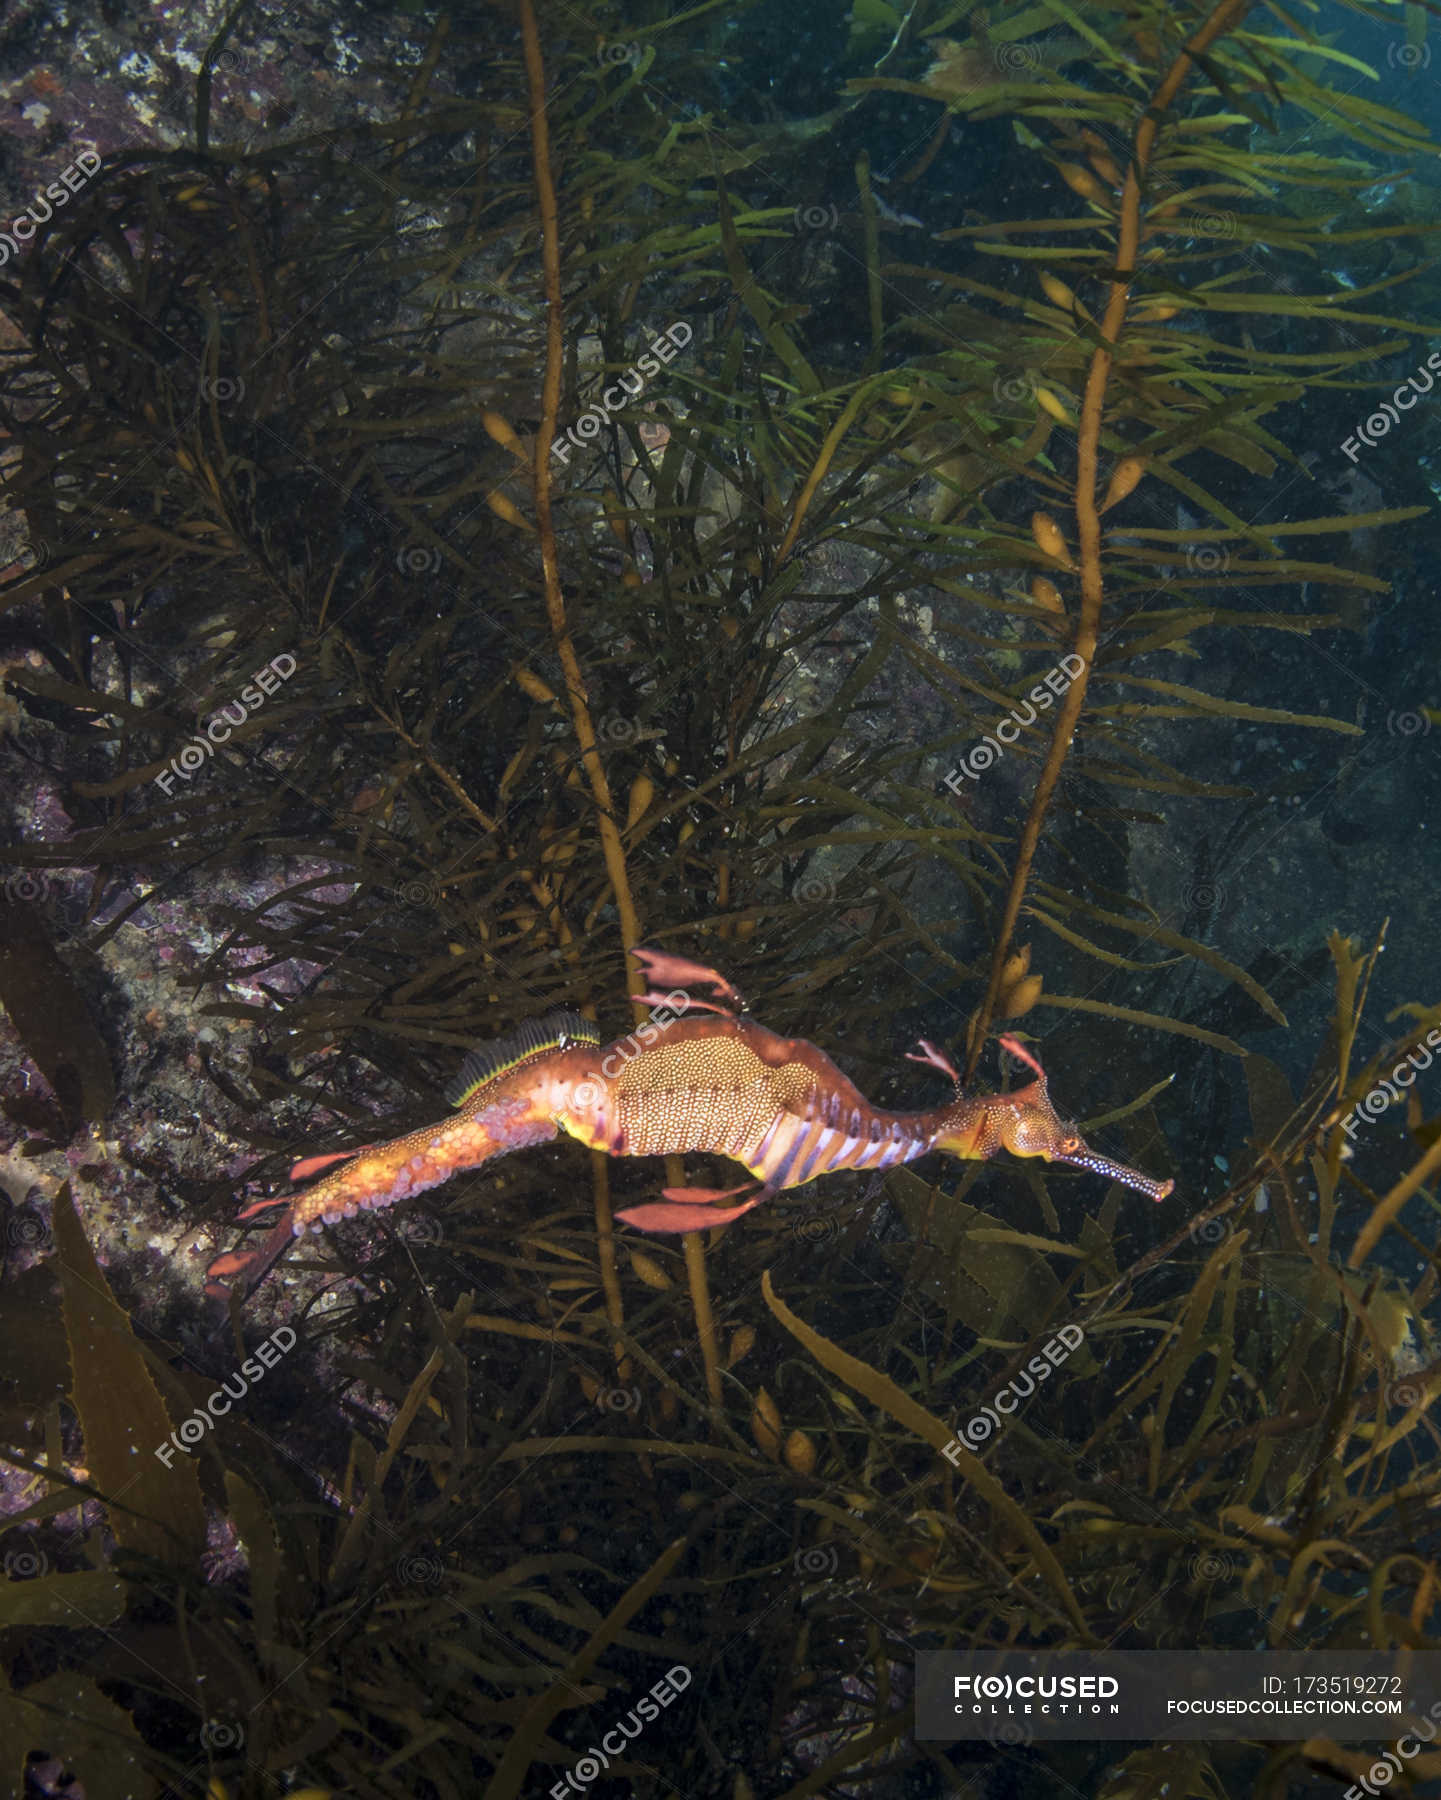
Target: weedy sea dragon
718	1083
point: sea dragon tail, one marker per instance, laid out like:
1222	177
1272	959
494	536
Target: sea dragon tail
376	1177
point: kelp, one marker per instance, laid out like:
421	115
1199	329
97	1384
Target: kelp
555	694
47	1007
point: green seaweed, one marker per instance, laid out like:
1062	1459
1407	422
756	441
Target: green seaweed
284	402
46	1006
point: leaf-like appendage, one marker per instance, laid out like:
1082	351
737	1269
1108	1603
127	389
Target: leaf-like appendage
153	1508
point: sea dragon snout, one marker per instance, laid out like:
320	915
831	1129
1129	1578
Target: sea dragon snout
1026	1124
716	1083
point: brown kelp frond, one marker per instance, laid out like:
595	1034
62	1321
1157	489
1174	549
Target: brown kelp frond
1233	1423
879	631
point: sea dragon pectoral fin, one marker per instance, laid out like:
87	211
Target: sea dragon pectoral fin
690	1209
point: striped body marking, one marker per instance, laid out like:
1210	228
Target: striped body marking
743	1093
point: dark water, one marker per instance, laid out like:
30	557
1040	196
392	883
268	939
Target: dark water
929	513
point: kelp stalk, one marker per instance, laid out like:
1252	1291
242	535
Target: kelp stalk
611	847
1088	518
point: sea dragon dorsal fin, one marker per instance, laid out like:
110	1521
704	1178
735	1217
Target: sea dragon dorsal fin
558	1030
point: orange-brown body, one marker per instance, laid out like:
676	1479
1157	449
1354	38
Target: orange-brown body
719	1084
